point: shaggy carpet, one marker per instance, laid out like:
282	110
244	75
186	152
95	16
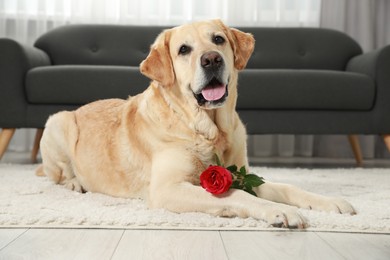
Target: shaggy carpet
30	201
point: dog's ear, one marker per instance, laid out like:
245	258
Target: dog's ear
242	43
158	65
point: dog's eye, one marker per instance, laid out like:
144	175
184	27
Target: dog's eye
184	49
218	40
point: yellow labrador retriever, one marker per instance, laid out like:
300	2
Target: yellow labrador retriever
156	144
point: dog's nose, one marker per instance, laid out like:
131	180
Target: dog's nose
211	59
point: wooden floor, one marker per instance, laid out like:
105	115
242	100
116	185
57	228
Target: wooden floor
165	244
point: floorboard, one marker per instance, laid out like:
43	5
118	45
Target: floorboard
169	244
9	235
63	244
359	246
108	244
277	245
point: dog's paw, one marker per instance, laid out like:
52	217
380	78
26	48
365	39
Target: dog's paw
73	184
285	217
339	205
328	204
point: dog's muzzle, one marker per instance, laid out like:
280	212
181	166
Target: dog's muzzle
215	91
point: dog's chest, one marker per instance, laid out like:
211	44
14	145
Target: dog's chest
205	149
204	153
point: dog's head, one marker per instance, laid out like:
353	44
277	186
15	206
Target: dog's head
199	60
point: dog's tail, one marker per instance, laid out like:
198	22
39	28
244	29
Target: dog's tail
39	171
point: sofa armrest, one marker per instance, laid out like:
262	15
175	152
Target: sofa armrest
376	64
16	60
367	63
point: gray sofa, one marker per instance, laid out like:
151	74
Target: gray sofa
298	80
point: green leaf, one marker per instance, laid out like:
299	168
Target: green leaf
253	180
232	168
250	191
236	185
243	170
247	186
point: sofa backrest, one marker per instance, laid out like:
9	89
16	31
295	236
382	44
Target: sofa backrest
286	48
98	44
301	48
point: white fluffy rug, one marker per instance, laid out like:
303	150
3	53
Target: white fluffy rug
30	201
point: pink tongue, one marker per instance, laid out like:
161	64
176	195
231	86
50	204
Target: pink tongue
214	92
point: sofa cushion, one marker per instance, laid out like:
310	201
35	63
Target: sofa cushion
101	44
258	88
301	48
78	85
304	89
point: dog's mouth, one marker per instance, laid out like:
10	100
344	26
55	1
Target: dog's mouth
214	93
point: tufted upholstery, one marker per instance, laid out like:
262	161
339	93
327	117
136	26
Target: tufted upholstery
301	48
98	44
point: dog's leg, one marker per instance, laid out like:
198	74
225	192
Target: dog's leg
170	190
57	141
291	195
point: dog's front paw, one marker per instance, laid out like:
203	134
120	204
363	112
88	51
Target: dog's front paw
285	217
329	204
337	205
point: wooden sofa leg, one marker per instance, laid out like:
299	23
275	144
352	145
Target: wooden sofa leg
357	152
5	137
35	149
386	138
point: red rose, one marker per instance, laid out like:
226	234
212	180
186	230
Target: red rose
216	179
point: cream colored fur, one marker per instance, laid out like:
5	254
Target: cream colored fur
156	144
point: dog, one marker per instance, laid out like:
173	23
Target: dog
155	145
